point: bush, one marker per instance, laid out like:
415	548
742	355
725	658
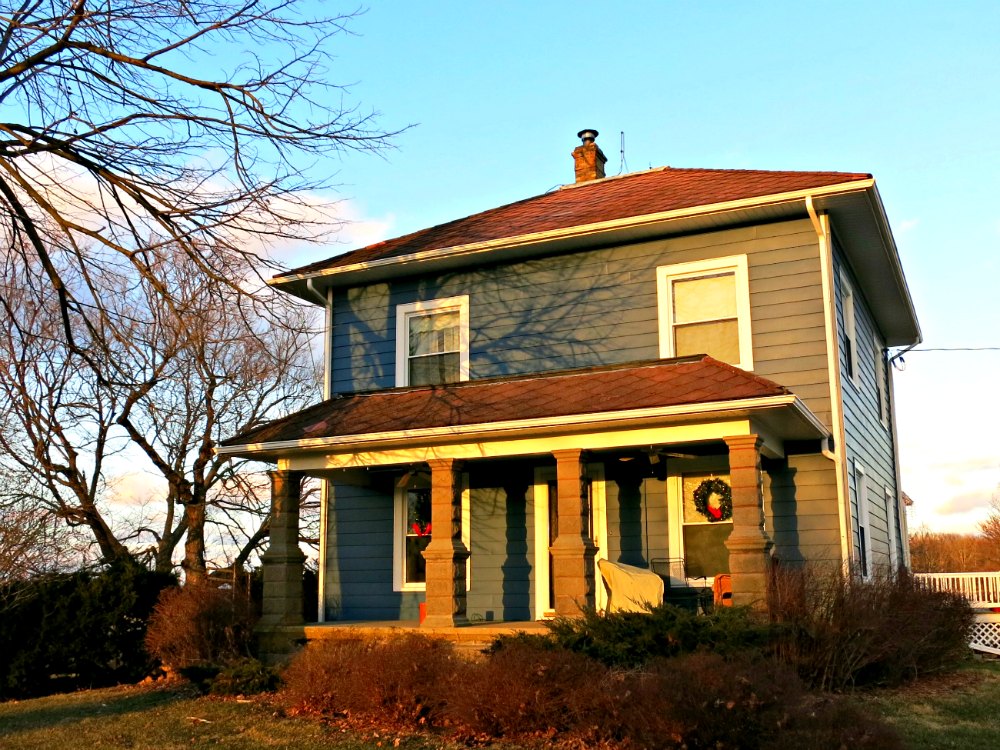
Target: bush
402	681
526	690
199	625
77	630
630	639
840	632
244	677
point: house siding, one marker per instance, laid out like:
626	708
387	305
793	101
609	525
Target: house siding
359	554
359	551
636	519
801	509
502	540
599	307
867	441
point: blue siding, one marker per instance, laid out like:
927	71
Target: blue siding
867	440
359	557
598	307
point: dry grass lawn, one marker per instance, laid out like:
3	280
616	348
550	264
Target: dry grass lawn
960	710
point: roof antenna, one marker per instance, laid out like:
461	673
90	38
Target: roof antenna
623	165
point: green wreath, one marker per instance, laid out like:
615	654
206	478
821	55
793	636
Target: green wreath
705	490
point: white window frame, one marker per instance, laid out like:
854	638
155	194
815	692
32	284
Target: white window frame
892	517
444	304
399	538
881	383
850	329
864	521
666	275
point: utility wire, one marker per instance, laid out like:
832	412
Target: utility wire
957	349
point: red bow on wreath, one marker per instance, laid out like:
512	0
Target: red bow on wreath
419	530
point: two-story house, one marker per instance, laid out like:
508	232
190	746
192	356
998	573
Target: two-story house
678	368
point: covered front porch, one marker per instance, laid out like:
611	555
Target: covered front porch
482	521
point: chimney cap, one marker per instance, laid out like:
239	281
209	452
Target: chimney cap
588	135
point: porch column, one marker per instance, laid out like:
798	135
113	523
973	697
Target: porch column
283	560
749	545
446	554
573	550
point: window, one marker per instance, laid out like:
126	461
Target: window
704	539
864	528
704	308
892	514
881	383
432	341
850	331
412	531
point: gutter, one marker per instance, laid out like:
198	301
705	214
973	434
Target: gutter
821	224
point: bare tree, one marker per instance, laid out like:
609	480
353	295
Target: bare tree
154	124
200	366
205	368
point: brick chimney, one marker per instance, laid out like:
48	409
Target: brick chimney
588	158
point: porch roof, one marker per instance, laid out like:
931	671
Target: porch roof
596	393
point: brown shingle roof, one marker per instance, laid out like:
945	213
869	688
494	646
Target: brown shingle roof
651	384
639	194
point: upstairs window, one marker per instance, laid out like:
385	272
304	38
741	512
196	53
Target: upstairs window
704	308
850	330
432	341
881	384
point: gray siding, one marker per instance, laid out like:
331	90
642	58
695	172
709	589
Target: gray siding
502	542
599	307
867	440
801	508
636	519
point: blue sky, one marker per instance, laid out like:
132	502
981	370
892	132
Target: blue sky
495	94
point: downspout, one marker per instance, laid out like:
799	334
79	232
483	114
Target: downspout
821	225
324	485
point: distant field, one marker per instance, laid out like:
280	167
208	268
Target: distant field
954	711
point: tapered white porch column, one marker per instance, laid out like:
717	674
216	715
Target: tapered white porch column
446	554
749	545
283	561
573	550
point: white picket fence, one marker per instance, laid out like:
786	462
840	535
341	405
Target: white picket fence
982	590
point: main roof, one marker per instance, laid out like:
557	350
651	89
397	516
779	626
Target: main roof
654	384
638	207
641	193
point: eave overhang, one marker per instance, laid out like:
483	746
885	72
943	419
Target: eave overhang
779	418
856	210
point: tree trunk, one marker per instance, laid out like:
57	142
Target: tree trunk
194	544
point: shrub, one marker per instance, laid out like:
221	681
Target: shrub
199	625
528	690
75	630
841	632
402	681
629	639
244	677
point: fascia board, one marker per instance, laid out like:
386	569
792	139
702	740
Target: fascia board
892	256
664	217
630	417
